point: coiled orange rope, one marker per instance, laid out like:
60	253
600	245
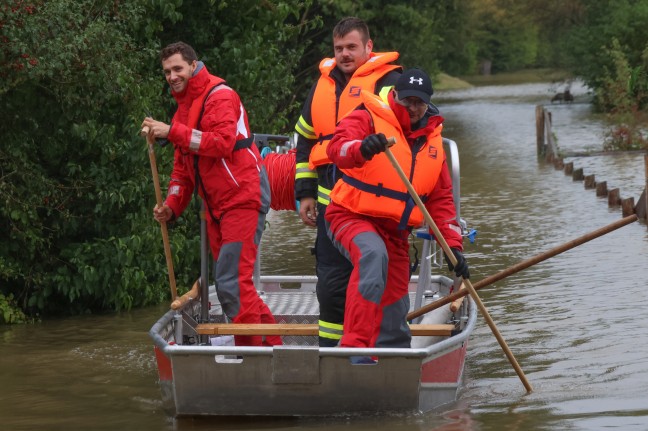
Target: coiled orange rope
281	173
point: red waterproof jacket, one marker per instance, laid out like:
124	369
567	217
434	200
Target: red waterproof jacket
344	151
229	176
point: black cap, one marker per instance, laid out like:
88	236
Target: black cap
414	82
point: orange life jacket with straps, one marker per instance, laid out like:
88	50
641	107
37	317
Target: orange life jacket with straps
326	111
375	189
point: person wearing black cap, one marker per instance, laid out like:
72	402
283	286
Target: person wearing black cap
371	213
414	90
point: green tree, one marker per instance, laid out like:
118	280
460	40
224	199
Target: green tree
76	232
602	22
73	179
507	37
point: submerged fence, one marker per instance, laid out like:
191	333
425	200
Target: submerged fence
548	150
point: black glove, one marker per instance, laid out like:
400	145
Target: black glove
461	269
372	145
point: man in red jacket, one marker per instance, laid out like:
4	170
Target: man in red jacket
215	154
371	213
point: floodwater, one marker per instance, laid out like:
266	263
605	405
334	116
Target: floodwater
576	323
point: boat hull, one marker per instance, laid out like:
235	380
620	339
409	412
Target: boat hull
301	379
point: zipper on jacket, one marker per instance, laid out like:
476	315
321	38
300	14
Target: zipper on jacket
416	148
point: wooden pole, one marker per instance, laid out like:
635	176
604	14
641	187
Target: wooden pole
454	305
193	293
645	192
614	197
523	265
569	168
540	127
601	188
150	140
590	181
453	259
627	206
549	153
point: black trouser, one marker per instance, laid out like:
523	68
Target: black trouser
333	272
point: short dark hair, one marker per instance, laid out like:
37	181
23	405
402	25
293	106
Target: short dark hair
350	23
187	52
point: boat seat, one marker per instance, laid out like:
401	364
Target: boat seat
302	329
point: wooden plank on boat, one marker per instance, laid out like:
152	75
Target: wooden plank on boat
301	329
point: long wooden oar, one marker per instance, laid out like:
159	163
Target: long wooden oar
453	260
150	140
524	264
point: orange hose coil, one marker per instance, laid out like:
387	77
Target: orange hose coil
281	173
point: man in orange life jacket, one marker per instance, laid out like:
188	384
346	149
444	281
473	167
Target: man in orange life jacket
215	155
354	68
371	212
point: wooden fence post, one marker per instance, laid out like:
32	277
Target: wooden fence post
569	168
627	207
550	152
645	192
641	209
590	181
601	188
540	130
614	197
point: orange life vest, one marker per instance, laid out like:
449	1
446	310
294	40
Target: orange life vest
326	111
375	189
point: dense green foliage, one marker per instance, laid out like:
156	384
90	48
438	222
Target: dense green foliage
78	76
608	48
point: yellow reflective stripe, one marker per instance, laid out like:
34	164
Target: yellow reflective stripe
304	129
303	171
335	326
303	175
384	92
323	195
332	331
323	190
330	336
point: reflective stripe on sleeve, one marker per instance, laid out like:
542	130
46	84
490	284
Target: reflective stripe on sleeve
302	171
332	331
455	228
304	129
323	195
196	137
345	147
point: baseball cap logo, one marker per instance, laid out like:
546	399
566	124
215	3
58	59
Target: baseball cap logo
419	80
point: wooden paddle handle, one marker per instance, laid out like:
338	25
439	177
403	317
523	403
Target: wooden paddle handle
145	131
192	294
454	305
469	287
163	226
523	265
